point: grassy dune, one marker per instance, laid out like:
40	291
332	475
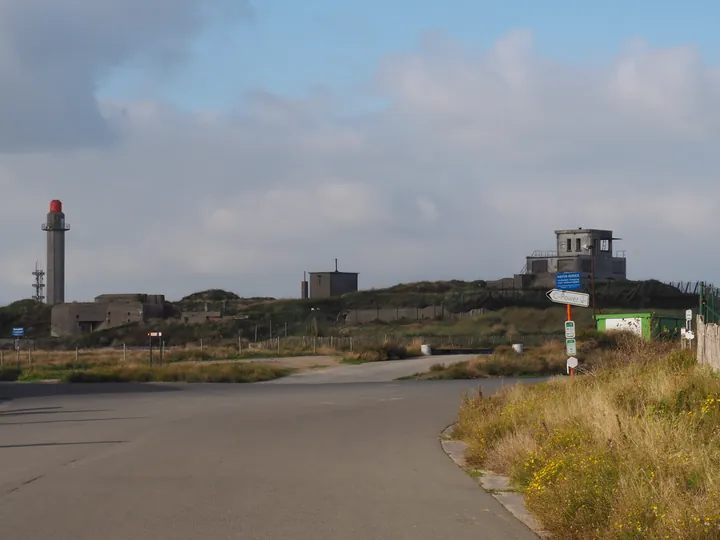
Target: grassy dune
631	451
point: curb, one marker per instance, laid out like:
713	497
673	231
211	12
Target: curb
496	485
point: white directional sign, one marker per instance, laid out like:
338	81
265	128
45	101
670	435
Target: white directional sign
569	329
571	347
569	297
688	315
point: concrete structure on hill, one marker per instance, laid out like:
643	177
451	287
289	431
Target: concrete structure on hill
200	317
55	227
588	251
329	284
107	311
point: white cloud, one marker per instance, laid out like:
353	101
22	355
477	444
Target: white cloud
476	159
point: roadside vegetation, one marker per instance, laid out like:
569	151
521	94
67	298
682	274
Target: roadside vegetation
213	364
216	373
549	358
508	315
629	451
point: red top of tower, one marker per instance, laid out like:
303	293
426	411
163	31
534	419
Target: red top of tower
55	206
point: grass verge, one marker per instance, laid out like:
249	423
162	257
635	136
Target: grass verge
546	359
628	452
208	373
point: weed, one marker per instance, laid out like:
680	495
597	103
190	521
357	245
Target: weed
628	453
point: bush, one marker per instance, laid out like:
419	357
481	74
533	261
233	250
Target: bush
387	351
630	452
9	374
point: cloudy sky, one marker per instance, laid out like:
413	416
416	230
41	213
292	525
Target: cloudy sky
223	143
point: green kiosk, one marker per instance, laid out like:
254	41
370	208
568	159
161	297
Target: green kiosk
647	325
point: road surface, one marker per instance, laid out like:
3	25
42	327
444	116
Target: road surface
372	371
353	461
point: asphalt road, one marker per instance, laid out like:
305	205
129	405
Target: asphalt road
353	461
370	372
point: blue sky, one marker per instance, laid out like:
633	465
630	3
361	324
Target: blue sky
290	47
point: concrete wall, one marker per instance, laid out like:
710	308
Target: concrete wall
362	316
200	317
327	284
108	311
578	238
708	343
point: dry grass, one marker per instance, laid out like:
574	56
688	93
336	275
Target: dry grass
630	451
208	373
115	357
546	359
112	363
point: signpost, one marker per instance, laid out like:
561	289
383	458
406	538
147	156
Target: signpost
567	281
566	292
18	332
158	335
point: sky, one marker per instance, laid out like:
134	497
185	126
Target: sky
234	144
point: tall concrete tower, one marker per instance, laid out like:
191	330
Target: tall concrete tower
55	227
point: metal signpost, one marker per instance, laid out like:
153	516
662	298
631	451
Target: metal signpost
565	292
158	335
17	334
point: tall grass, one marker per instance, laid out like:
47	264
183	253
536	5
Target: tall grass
85	358
631	451
217	373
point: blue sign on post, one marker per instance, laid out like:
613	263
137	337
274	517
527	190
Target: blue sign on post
18	332
567	281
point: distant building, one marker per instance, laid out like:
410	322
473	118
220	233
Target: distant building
107	311
575	249
329	284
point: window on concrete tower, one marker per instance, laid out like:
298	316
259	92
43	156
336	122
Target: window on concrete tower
569	244
604	245
578	244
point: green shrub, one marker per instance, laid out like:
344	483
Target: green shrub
8	374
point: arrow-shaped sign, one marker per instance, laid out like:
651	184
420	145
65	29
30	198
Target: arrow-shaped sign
569	297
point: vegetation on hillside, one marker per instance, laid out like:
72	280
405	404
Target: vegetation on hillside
627	452
266	317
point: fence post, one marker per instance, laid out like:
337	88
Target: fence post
351	344
314	345
201	344
278	340
124	353
77	353
2	358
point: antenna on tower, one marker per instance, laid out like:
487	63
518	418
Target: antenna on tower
39	284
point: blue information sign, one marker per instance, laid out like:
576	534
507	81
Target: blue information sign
18	332
567	281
